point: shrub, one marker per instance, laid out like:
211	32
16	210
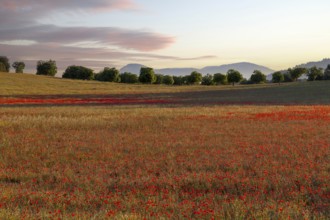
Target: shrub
220	78
168	80
19	66
207	80
234	76
129	78
47	68
147	75
5	61
78	72
108	75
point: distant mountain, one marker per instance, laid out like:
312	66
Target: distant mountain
245	68
323	64
132	68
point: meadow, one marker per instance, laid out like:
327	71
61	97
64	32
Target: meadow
89	150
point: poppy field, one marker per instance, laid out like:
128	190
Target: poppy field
90	151
165	162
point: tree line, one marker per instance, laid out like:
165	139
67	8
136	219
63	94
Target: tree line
148	76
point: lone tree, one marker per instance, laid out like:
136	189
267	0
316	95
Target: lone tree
327	73
220	78
258	77
19	66
78	72
168	80
47	68
277	77
234	76
5	61
207	80
147	75
297	72
129	78
195	78
315	73
108	75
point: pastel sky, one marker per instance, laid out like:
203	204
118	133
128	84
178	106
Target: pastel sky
161	34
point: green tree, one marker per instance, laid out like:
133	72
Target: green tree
195	78
19	66
207	80
326	75
258	77
159	79
108	75
287	77
2	67
178	80
129	78
47	68
315	73
277	77
297	72
5	61
234	76
220	78
78	72
147	75
168	80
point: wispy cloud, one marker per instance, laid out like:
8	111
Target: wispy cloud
104	36
23	37
96	58
51	5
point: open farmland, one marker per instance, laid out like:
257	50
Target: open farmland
88	150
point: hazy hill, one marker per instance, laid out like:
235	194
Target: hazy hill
245	68
323	64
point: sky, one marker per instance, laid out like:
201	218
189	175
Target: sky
164	34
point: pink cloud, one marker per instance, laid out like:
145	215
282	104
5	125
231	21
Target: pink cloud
105	36
51	5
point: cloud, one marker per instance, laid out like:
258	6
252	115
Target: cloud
23	37
95	58
51	5
104	36
19	21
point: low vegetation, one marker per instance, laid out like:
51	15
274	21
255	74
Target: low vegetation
74	149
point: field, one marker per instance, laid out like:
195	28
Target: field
88	150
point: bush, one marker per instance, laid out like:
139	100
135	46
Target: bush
47	68
207	80
78	72
194	78
220	78
159	78
5	64
108	75
258	77
314	73
326	75
147	75
277	77
177	80
168	80
2	67
19	66
233	76
129	78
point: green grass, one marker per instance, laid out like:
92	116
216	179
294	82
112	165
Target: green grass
12	85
